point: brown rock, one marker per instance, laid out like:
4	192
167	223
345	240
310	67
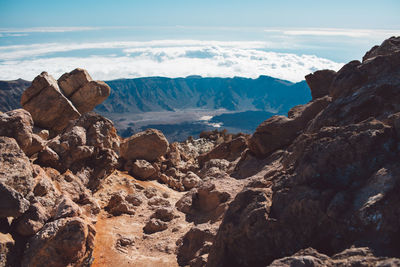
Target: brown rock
191	180
154	225
163	214
279	131
73	81
17	124
12	203
142	169
32	220
319	82
64	242
37	145
6	250
149	145
195	243
15	168
49	108
388	47
228	150
90	95
83	92
117	205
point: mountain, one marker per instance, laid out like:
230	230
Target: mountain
318	187
10	93
235	94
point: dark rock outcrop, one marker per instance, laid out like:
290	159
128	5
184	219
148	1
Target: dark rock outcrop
338	179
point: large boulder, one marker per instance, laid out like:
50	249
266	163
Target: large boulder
148	145
319	82
64	242
389	46
279	131
18	125
49	108
15	168
83	92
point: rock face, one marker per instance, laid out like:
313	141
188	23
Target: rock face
49	108
64	242
16	179
337	181
319	82
52	108
148	145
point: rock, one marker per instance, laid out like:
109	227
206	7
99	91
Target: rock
244	221
47	157
54	116
204	199
148	145
157	202
319	82
349	257
191	180
83	92
12	203
67	208
15	168
228	150
388	47
64	242
154	225
279	131
6	250
33	220
17	124
118	205
134	199
194	244
142	169
37	145
163	214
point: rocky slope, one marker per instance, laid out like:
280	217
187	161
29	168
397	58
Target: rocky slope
315	188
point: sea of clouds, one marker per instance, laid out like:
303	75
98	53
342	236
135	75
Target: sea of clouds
169	58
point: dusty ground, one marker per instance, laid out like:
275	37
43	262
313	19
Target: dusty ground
157	249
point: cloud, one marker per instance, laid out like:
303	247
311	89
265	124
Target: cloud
47	29
170	58
355	33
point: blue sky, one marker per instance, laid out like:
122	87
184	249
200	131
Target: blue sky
382	14
286	39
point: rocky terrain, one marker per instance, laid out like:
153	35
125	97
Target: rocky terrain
317	187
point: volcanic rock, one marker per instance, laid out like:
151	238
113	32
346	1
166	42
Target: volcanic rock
148	145
83	92
17	124
319	82
49	108
142	169
154	225
64	242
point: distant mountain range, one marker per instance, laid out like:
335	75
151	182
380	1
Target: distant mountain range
159	93
234	94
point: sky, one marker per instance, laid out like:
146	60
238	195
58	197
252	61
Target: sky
286	39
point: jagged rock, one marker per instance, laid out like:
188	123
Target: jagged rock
48	157
228	150
215	168
38	144
319	82
58	111
12	203
148	145
118	205
195	244
245	220
83	92
67	208
6	250
32	220
349	257
17	124
64	242
205	199
191	180
134	199
279	131
163	214
15	168
142	169
337	180
158	202
154	225
389	46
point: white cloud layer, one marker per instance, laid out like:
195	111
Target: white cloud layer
170	58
